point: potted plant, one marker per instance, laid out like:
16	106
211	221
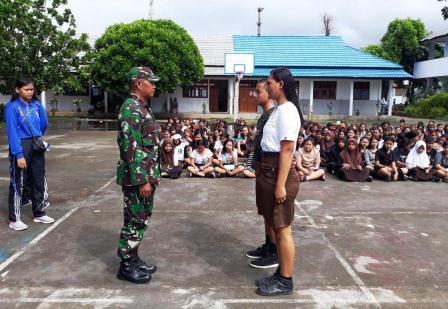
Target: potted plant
54	106
77	103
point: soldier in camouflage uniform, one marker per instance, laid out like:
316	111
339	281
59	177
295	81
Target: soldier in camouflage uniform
138	172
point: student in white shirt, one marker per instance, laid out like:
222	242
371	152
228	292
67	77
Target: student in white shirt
201	161
279	181
228	160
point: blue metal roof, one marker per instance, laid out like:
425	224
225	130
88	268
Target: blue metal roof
315	56
364	73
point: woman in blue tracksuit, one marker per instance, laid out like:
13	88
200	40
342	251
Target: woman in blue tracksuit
26	119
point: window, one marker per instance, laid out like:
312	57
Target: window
196	91
325	90
361	91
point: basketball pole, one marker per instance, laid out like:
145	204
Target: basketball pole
236	96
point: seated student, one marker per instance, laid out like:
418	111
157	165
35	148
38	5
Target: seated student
430	150
201	161
385	167
247	170
194	143
243	142
418	163
401	152
369	155
180	150
300	140
228	160
352	164
169	166
441	163
325	147
363	145
334	159
308	161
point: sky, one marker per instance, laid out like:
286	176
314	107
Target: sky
359	22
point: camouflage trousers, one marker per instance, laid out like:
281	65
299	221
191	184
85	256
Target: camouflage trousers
137	213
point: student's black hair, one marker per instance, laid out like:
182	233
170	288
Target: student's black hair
310	139
411	135
370	143
388	139
429	140
289	87
223	150
445	143
22	82
263	81
402	143
202	142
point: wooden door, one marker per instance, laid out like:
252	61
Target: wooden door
214	100
248	103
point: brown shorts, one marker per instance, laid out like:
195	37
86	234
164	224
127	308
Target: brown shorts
276	215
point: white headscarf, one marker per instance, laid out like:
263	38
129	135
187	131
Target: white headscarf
416	159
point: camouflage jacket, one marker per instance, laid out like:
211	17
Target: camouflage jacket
138	140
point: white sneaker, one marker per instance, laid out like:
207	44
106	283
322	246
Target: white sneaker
44	219
18	225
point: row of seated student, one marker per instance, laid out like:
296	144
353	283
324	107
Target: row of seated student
352	152
383	152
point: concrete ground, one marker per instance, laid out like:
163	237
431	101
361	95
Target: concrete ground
364	245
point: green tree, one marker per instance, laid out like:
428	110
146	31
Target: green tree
444	10
159	44
377	50
401	43
39	40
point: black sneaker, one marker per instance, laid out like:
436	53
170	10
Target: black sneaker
276	286
260	252
268	261
266	280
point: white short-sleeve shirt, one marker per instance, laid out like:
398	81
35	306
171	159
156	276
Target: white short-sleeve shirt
202	158
283	125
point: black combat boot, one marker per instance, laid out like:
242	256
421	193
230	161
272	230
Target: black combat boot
146	267
131	272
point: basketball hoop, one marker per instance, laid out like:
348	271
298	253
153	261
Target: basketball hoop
238	65
239	76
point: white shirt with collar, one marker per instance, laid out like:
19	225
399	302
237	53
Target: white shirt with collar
283	125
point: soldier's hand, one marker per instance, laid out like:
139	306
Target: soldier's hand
145	190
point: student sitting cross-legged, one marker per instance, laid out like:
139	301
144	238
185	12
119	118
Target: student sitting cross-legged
201	161
369	155
352	164
385	167
441	163
169	164
334	163
418	163
228	160
308	162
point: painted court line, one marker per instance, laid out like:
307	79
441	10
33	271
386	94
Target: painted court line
106	185
105	301
36	239
16	255
368	294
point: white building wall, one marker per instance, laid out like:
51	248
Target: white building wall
340	106
65	103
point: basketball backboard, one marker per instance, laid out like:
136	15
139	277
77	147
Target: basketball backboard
239	63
